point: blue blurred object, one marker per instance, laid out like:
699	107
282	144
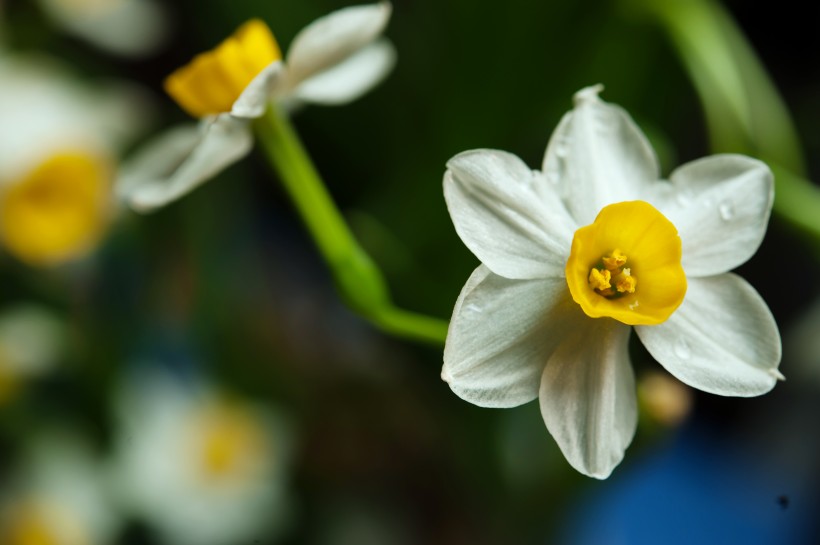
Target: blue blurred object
701	487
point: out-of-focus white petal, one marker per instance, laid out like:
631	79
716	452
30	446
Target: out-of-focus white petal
598	156
721	206
131	28
502	334
44	111
332	38
31	339
254	98
588	398
499	214
177	163
351	78
722	339
122	111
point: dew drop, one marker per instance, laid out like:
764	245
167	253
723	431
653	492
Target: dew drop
684	197
474	308
682	349
727	211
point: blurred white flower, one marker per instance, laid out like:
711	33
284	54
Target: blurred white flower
131	28
201	467
571	261
58	497
31	342
334	60
58	144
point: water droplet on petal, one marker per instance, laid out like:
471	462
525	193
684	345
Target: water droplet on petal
682	349
684	197
474	308
727	210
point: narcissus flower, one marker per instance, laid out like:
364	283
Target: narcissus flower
576	256
58	145
198	465
334	60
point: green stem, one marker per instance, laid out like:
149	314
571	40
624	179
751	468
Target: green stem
357	277
744	111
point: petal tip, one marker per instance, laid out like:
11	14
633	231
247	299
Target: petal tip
446	376
588	94
777	374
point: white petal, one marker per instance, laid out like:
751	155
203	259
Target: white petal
334	37
503	219
722	339
588	398
179	162
351	78
125	27
254	98
598	156
501	335
721	206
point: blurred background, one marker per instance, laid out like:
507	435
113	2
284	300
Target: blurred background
191	376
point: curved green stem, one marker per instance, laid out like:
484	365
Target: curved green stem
744	111
357	278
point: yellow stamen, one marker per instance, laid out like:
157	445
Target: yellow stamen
212	82
600	280
616	260
58	211
625	282
600	251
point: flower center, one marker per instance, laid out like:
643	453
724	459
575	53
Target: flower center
37	523
625	238
610	278
229	441
58	210
213	81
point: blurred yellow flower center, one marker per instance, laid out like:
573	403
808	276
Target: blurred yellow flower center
212	82
37	524
632	233
58	211
230	441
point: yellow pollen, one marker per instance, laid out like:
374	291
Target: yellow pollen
601	279
625	283
213	81
616	260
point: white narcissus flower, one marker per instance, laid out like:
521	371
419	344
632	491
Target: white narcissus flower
575	256
200	466
58	496
334	60
58	152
